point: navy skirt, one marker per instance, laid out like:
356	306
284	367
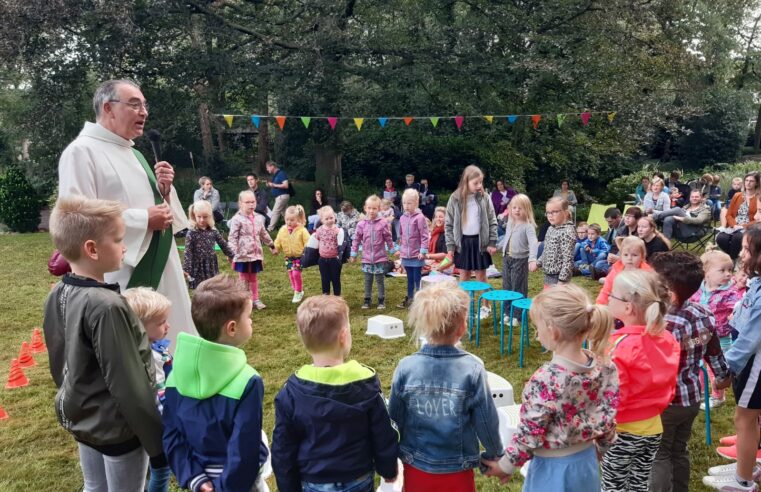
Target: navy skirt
470	256
248	266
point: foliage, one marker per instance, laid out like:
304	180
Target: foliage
20	204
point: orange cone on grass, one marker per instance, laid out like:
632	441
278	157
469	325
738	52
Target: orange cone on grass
3	414
38	344
16	378
25	358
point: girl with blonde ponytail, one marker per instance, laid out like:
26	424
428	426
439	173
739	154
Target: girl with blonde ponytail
647	358
569	404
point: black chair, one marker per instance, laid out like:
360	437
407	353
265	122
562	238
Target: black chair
696	241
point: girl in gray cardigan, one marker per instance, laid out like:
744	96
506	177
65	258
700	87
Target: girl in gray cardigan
520	245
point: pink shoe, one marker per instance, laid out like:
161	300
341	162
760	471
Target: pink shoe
730	452
728	440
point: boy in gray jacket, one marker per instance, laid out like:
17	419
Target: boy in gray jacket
100	358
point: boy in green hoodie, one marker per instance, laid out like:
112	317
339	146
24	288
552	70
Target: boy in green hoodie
213	401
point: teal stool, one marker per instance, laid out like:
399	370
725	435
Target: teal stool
501	297
471	287
524	305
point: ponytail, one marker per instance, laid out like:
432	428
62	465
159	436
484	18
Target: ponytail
600	325
649	296
654	318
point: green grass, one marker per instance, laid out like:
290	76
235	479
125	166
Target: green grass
36	454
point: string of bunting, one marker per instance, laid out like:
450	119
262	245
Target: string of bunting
560	118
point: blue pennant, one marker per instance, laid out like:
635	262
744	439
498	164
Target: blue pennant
511	119
255	120
382	121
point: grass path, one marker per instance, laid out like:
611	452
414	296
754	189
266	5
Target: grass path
36	454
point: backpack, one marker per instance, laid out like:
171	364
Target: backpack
291	191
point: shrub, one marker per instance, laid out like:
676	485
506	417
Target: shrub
20	204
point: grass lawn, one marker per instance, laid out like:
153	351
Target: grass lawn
36	454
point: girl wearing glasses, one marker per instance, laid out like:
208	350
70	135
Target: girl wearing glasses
559	244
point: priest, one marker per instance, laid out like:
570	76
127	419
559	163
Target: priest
102	163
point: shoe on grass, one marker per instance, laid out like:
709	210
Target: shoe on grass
715	403
259	305
366	305
484	312
514	321
381	306
730	453
728	440
297	297
728	483
731	469
404	304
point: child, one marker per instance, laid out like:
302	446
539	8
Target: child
348	218
153	311
581	236
329	238
200	260
632	257
247	232
737	185
559	244
577	383
374	236
332	429
520	245
100	358
413	242
213	408
387	212
745	373
471	226
719	294
694	329
440	400
647	358
291	239
592	250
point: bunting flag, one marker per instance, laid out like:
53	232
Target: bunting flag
489	118
382	122
511	119
255	120
306	120
229	119
458	121
611	116
561	119
434	121
535	118
585	118
358	123
280	121
332	120
407	120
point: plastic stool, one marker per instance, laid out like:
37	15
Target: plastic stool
471	287
501	297
707	397
524	305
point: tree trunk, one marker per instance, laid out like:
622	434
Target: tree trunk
205	126
328	172
757	133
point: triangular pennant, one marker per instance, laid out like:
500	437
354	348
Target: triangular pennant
458	121
382	122
511	119
229	119
280	121
332	120
585	118
358	123
255	120
434	121
408	120
561	119
535	120
611	116
306	120
489	118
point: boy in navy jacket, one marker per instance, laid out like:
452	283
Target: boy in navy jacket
332	428
213	401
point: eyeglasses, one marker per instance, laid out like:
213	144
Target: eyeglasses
135	105
619	298
553	212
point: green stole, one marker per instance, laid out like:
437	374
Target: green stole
148	271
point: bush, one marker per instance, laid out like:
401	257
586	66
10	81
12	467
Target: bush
20	204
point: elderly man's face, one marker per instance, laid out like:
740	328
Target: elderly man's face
120	117
270	169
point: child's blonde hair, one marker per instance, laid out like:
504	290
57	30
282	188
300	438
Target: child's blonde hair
438	311
714	257
374	200
320	320
631	242
244	193
648	295
146	303
200	206
565	205
298	212
77	219
582	224
323	210
524	202
411	193
468	174
568	309
388	203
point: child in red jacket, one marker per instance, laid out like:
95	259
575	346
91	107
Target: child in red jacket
647	358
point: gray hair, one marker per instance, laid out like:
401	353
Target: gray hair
106	91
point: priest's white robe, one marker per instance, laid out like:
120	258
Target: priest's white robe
101	164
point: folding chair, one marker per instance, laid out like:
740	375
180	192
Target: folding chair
695	242
597	215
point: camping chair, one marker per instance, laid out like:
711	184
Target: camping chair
695	242
597	215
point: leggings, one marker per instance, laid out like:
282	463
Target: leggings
380	281
330	273
296	282
253	284
627	465
414	275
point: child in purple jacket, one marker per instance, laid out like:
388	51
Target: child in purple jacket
413	240
374	235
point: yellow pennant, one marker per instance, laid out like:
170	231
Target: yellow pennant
611	116
489	118
358	123
229	119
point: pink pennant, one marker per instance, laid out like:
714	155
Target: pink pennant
332	120
458	121
585	118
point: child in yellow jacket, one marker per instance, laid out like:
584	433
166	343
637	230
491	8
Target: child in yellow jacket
291	239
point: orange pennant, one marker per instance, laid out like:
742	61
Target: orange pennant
535	120
280	121
408	120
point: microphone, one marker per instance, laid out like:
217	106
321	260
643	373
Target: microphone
155	137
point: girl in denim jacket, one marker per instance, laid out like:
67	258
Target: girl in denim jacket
440	400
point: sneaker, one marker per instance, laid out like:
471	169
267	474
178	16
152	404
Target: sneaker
731	469
259	305
601	280
485	312
728	483
297	297
404	304
715	403
514	321
728	440
381	306
730	453
366	305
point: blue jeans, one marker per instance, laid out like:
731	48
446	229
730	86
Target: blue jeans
159	481
591	258
602	267
414	275
124	473
364	483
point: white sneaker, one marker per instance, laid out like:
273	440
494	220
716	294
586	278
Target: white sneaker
259	305
601	280
715	403
514	321
298	296
485	312
728	483
731	469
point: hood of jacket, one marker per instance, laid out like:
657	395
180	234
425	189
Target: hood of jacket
340	391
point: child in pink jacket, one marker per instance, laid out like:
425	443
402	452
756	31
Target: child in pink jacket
413	240
374	236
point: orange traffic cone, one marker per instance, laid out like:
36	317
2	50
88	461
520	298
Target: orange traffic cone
25	358
3	414
38	344
16	378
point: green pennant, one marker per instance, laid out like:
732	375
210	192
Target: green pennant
306	120
561	119
434	121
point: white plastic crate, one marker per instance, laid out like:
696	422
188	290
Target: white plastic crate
385	327
501	390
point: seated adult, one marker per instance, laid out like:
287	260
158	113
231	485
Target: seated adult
660	176
642	189
501	196
740	215
318	201
656	200
627	228
655	242
427	199
437	248
568	195
390	193
409	182
686	221
210	194
348	218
